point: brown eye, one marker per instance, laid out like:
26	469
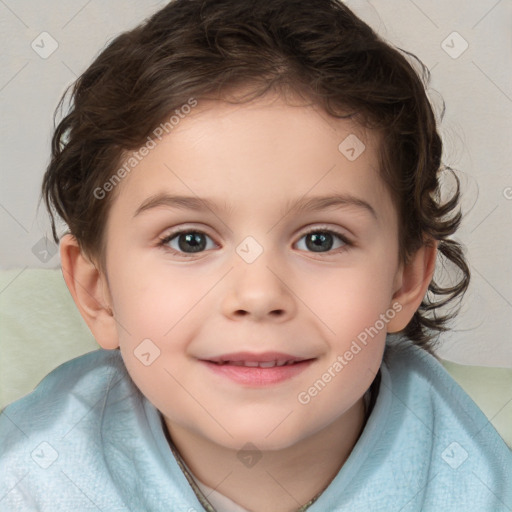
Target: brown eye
321	241
187	242
318	242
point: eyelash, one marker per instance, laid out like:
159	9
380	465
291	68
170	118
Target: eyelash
162	242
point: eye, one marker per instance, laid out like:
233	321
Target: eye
190	242
186	242
322	240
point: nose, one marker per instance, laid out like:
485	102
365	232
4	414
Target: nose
259	291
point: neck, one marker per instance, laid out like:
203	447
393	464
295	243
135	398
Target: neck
282	480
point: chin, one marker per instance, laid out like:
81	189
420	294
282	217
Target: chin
265	438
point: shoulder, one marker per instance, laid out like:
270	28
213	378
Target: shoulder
441	430
420	379
86	375
45	426
421	383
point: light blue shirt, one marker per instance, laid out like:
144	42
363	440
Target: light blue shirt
86	439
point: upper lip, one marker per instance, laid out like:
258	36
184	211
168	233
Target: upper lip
264	357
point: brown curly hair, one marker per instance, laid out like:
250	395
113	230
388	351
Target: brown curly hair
205	48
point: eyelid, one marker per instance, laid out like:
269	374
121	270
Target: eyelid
169	235
319	228
190	226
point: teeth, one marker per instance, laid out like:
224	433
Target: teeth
260	364
268	364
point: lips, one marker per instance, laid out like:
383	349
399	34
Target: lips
251	370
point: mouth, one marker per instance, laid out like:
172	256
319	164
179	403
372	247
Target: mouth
254	364
255	370
264	360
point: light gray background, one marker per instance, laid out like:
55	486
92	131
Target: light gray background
476	86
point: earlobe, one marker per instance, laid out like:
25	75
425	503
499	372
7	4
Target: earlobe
89	290
413	282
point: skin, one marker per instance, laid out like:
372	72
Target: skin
252	160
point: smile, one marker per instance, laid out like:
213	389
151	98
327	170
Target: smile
257	374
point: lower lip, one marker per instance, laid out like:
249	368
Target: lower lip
256	376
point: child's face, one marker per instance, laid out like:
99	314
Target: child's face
256	283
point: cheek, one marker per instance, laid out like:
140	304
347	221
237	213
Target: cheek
350	299
354	314
151	304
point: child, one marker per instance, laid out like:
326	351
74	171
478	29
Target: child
252	370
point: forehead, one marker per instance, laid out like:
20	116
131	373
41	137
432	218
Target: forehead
267	151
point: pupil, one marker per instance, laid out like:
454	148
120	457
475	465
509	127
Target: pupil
194	241
317	241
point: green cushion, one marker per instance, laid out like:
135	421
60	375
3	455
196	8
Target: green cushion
40	328
491	389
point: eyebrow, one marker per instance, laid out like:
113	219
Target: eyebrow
328	202
302	205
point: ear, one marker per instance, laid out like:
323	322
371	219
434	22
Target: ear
411	285
89	289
